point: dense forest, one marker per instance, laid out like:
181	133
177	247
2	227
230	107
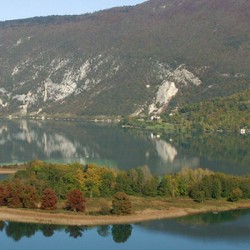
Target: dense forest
227	114
42	185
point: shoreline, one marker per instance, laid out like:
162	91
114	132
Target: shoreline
8	171
78	219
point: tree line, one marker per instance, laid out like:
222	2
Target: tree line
42	185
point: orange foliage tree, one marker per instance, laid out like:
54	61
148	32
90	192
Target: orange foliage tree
49	200
76	201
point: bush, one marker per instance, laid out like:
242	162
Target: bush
235	195
76	201
49	200
121	204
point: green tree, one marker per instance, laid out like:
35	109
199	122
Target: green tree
123	183
216	188
150	187
235	195
197	193
107	183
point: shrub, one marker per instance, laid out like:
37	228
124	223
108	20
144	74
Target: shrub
121	204
235	195
49	200
76	201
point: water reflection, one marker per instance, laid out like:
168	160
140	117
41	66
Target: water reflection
22	140
230	227
121	233
224	226
17	231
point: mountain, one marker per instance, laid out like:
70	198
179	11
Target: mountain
125	61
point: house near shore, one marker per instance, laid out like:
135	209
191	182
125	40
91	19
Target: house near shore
244	131
155	118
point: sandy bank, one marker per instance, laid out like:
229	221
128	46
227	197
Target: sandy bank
38	216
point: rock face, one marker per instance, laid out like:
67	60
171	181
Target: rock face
125	61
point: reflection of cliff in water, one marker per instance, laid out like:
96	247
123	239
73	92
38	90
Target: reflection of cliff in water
218	152
228	226
23	140
169	157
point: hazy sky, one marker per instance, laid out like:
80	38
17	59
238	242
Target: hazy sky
18	9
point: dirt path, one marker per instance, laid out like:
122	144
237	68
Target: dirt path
31	216
7	171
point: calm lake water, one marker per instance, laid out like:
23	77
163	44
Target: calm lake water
224	231
22	141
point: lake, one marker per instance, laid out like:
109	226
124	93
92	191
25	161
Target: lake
57	141
224	231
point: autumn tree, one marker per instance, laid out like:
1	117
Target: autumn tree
121	204
4	194
49	200
92	180
22	195
76	201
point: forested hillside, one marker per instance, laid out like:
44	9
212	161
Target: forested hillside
135	60
228	113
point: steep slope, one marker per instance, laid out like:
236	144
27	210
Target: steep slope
125	61
230	113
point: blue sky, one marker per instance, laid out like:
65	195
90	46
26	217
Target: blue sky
18	9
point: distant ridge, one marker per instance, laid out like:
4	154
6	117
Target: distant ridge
125	61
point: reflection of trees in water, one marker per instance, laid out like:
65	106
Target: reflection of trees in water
227	153
17	231
230	226
48	230
103	231
2	225
121	233
23	140
213	218
75	231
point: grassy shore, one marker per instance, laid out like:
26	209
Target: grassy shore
144	209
